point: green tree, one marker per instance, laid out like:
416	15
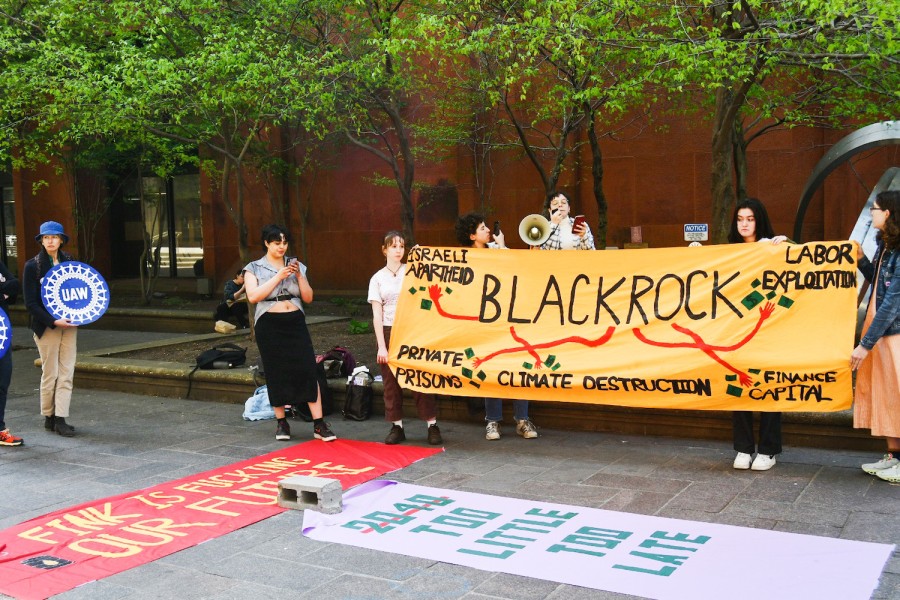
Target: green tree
554	67
777	64
217	78
372	55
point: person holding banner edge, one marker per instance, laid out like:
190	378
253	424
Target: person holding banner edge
876	359
384	291
277	285
56	339
471	231
9	290
749	224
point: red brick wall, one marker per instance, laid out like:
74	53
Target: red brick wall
657	178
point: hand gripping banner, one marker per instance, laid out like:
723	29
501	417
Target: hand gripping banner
735	327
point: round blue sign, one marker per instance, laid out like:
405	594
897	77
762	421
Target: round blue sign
75	291
5	333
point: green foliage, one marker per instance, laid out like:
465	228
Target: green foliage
242	83
359	327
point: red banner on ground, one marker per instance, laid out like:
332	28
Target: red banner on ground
61	550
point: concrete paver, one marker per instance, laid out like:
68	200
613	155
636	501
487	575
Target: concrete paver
130	441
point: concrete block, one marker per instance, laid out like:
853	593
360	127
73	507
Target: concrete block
303	492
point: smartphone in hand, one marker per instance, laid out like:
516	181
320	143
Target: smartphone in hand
496	228
290	260
579	220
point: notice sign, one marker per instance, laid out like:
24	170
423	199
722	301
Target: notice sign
640	555
696	232
732	327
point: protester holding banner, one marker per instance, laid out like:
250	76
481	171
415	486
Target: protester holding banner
9	290
749	224
278	286
384	291
471	231
565	234
56	339
877	357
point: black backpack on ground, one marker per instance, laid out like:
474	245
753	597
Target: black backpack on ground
221	356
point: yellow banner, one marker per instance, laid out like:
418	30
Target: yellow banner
732	327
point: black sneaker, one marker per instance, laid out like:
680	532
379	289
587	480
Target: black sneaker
324	433
395	436
434	435
49	423
283	431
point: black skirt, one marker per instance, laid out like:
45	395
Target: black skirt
288	358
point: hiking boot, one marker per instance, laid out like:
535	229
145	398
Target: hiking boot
742	461
492	431
891	475
283	430
324	433
63	428
8	439
395	436
887	461
434	435
763	462
526	429
48	423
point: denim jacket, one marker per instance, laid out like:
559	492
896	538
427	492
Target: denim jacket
887	295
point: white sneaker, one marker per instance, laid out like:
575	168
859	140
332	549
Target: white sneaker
526	429
892	475
742	461
887	461
492	431
762	462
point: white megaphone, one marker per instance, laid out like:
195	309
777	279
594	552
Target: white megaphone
534	230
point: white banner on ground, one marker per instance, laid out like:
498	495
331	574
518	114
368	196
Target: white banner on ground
646	556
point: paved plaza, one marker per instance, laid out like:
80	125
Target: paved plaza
126	442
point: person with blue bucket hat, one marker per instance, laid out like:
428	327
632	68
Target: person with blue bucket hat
55	338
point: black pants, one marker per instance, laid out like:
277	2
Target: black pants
237	311
769	432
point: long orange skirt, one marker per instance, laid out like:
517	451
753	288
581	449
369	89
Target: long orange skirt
877	400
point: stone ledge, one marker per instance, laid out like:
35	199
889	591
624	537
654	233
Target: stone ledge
823	430
166	320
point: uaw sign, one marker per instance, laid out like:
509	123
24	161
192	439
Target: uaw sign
731	327
75	291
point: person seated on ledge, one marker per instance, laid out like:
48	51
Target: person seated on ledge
232	307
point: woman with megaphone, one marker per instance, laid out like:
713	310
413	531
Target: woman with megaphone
566	232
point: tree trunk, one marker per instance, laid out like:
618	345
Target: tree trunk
722	166
243	249
406	178
597	180
740	161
